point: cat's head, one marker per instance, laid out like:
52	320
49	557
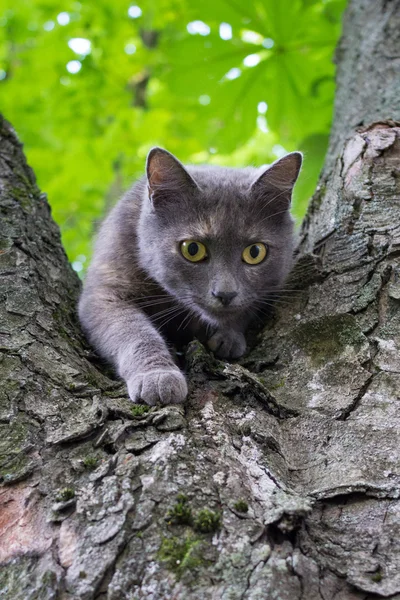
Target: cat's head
218	239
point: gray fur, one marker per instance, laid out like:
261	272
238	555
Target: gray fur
139	288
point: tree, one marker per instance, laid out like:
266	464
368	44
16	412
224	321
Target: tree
220	82
279	478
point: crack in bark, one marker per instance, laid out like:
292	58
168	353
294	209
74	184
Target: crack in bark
309	451
345	414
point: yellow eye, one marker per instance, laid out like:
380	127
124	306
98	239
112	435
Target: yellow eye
254	254
193	251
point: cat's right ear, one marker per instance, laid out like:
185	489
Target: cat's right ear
274	186
167	178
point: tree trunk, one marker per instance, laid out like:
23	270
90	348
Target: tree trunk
279	478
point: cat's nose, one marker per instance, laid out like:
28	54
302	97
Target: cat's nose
224	297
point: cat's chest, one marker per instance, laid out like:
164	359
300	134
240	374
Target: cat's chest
175	321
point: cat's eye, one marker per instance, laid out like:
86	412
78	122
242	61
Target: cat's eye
193	251
254	254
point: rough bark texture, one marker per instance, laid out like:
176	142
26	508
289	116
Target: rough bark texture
279	479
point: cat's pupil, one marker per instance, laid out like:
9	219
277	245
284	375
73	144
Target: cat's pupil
254	251
193	249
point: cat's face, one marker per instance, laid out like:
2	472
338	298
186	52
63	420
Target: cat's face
219	240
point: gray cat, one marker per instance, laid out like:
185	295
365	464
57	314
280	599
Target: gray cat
188	250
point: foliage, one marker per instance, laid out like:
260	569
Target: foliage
180	513
181	554
65	494
241	506
90	462
139	410
207	521
224	82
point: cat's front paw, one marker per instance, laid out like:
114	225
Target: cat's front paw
166	386
227	344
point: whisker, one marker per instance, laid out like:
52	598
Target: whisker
171	317
255	315
188	318
168	317
274	301
280	290
148	304
154	297
165	312
162	301
285	295
265	304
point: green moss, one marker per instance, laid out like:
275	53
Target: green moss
5	244
82	575
180	513
181	554
49	578
90	462
325	338
21	195
14	464
138	410
244	429
65	494
15	469
200	360
377	577
277	385
318	196
207	521
241	506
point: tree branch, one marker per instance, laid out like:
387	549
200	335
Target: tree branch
279	477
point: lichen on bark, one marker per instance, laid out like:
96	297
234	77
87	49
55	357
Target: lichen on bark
303	432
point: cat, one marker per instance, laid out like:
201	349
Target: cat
192	251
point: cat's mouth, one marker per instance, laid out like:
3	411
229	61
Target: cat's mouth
224	310
215	312
219	310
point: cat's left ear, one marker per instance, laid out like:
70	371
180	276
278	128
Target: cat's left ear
166	176
275	185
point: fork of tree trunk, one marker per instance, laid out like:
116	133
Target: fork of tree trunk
280	476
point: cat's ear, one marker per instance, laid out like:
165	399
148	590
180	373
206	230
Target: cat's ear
274	187
166	176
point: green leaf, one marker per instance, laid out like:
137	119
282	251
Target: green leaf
152	80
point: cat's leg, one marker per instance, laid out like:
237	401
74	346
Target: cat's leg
124	335
227	343
226	340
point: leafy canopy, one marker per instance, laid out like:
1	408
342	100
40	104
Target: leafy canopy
92	86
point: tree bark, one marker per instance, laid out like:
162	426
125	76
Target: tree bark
280	476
